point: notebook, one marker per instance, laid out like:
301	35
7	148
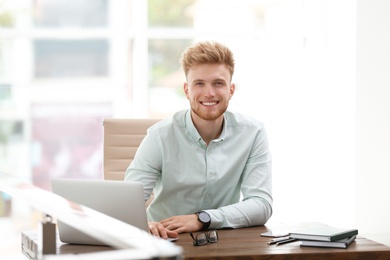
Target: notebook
324	233
123	200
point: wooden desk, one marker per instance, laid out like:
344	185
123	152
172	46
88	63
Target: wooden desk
246	243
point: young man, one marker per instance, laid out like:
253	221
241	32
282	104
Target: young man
198	161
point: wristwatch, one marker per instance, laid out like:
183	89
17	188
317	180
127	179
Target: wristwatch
204	218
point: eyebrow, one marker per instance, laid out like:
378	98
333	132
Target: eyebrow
214	80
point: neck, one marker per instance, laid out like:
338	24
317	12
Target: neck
208	129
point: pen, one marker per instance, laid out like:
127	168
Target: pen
276	240
286	241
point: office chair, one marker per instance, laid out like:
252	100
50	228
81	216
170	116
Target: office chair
121	140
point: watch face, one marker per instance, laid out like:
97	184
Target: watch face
204	217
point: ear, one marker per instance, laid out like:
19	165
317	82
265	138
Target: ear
185	89
232	89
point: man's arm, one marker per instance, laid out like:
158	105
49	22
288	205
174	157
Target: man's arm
146	165
256	206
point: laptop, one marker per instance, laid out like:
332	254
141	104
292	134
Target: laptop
123	200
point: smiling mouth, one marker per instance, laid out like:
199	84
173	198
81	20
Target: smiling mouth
207	104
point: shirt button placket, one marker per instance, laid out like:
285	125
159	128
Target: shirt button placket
209	175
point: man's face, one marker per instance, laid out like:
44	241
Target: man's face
209	89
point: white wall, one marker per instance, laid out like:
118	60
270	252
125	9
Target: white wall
311	125
373	120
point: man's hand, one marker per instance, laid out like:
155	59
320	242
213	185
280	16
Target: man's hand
183	223
157	229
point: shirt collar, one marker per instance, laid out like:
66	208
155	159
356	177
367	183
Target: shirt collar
194	133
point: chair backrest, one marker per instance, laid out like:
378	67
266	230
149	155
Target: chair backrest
121	140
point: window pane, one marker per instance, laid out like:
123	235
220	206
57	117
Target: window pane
67	141
7	18
230	15
10	132
11	145
73	58
14	13
71	13
170	13
6	59
166	77
5	92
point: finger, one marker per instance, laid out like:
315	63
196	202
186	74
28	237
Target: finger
172	234
153	230
170	225
178	230
162	231
166	221
159	231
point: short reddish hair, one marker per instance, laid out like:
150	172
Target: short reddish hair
207	53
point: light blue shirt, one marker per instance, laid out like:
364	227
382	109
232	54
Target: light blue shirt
188	176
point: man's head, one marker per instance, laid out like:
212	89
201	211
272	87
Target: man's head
207	53
209	69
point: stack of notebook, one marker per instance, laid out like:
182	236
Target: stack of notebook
325	236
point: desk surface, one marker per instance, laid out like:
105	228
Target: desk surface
246	243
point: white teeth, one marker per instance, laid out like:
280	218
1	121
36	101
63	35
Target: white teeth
209	103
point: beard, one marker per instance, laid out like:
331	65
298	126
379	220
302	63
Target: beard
208	115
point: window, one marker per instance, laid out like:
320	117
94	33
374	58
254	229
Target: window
5	92
6	60
63	13
176	13
71	58
66	141
165	76
120	58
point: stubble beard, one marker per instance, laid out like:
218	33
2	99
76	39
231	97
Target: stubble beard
208	116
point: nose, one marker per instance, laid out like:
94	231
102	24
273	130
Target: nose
209	91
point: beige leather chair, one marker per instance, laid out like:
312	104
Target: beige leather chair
121	140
